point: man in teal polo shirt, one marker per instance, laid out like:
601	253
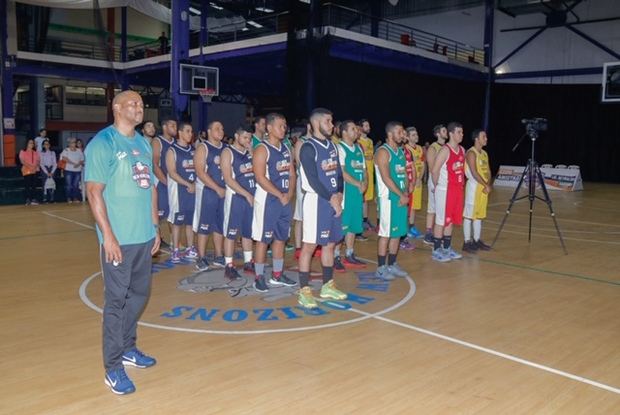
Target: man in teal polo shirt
120	186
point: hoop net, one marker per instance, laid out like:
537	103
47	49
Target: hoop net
206	94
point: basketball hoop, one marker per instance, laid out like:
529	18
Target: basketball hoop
206	94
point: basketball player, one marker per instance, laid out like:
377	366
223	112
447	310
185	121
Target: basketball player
392	200
275	184
353	166
299	196
441	134
148	131
415	202
123	201
210	192
448	176
236	164
321	179
160	145
367	146
181	189
476	192
405	244
259	131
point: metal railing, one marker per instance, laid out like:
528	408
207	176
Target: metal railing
356	21
332	14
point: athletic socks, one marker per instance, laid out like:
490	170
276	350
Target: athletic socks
391	259
467	229
304	277
260	270
228	260
337	251
477	229
381	260
278	265
447	241
247	256
328	274
349	252
436	243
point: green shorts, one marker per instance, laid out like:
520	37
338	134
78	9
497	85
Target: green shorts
392	218
352	213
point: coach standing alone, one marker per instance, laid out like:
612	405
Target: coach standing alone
123	199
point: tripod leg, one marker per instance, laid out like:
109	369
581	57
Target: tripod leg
531	195
549	203
512	201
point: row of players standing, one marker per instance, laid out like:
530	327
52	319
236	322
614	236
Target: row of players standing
218	190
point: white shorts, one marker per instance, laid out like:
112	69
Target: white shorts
430	207
299	199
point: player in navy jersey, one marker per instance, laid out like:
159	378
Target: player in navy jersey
321	179
181	188
275	184
160	145
239	201
210	192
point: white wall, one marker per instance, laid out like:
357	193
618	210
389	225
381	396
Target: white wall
554	49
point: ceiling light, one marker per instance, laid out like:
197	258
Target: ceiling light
264	9
195	11
215	6
253	23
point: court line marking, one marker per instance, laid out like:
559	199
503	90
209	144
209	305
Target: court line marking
365	316
494	353
548	216
562	274
410	294
377	316
563	229
69	220
36	235
566	238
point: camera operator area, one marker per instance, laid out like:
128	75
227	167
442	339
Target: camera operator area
310	206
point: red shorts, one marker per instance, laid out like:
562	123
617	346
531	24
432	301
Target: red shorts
449	205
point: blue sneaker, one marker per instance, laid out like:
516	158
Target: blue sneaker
428	239
452	254
136	358
396	270
219	262
118	382
413	232
440	256
383	273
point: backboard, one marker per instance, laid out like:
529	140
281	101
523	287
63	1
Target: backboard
196	77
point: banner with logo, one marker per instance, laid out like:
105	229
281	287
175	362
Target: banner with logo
555	179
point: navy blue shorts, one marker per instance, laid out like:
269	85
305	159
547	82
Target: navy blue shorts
162	200
271	220
208	212
320	224
237	217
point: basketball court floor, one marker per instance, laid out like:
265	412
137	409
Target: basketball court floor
522	329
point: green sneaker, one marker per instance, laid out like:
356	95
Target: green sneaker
329	290
306	299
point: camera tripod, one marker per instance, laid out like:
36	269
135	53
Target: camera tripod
534	175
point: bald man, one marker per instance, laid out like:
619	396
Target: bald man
123	199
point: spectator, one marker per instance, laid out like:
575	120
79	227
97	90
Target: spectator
48	168
39	140
73	170
30	166
163	43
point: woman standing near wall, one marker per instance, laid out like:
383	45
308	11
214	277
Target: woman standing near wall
48	168
30	166
73	171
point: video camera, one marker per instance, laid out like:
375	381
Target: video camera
536	124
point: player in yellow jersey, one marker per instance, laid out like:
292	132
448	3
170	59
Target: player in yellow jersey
477	192
368	148
420	166
441	134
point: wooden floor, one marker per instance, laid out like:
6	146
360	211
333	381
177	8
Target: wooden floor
523	329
